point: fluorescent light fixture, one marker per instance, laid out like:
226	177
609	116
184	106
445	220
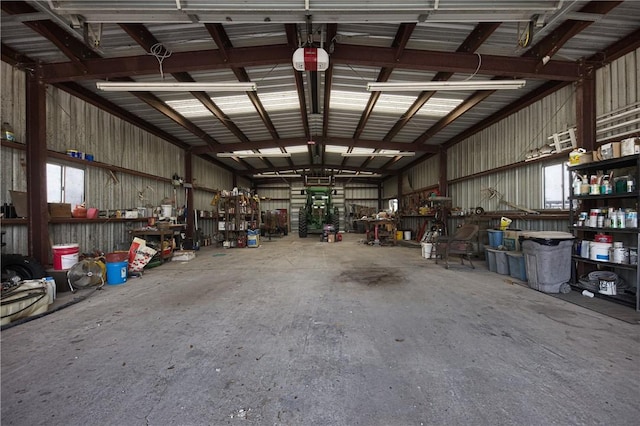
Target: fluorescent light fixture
445	85
277	176
378	154
134	86
353	175
253	154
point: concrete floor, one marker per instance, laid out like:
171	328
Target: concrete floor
299	332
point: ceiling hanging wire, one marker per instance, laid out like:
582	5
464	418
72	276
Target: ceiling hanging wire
160	53
477	68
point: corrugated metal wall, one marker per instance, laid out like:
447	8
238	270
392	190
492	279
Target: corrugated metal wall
510	140
617	84
75	124
390	188
422	176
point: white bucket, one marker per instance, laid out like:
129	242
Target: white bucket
620	255
167	209
600	251
407	235
426	250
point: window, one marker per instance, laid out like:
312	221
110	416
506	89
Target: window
393	205
556	186
65	184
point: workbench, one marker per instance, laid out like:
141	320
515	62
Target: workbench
167	233
381	231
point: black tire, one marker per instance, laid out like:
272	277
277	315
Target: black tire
27	268
302	223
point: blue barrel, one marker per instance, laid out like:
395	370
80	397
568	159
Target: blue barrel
495	237
117	272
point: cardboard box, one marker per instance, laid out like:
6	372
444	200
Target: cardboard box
585	158
19	201
59	209
608	151
629	146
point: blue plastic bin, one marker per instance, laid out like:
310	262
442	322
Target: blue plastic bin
495	237
502	264
517	267
491	259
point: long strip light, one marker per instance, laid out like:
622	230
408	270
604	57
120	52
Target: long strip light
445	85
378	154
134	86
260	175
254	155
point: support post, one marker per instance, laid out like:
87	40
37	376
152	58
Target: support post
188	177
36	135
586	112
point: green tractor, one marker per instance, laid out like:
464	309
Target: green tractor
317	211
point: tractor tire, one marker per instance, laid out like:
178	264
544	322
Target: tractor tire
302	223
27	268
335	220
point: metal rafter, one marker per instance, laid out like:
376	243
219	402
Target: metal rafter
550	44
15	58
473	41
141	35
78	52
223	42
330	35
554	41
292	41
239	57
399	44
339	141
73	48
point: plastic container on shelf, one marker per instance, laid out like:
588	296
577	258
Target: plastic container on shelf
547	256
496	237
600	251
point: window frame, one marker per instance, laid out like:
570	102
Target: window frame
565	186
65	196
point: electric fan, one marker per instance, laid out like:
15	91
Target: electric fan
86	273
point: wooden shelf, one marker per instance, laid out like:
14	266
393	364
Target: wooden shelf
57	220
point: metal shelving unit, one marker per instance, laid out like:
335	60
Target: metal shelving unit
583	265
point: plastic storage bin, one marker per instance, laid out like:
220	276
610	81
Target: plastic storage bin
490	255
517	267
547	257
502	264
495	237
